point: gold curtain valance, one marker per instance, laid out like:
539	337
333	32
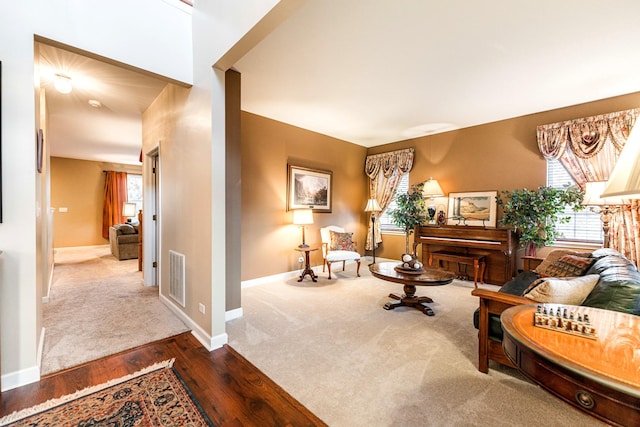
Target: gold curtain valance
585	137
388	162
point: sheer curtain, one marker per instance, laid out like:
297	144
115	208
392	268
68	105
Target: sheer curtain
384	171
589	148
115	194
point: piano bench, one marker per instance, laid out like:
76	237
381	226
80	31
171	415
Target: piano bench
476	260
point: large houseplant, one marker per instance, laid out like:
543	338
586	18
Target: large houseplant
411	211
534	214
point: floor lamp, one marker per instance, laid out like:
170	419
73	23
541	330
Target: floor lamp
373	207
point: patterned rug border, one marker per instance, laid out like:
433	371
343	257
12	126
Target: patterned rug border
52	403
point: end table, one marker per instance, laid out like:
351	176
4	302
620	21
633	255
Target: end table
307	264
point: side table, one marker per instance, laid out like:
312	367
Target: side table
307	264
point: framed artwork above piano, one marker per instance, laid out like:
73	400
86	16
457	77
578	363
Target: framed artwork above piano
498	245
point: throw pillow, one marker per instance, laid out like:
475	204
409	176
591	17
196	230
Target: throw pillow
555	266
572	291
341	241
569	266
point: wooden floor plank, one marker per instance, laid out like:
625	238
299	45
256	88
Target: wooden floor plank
231	390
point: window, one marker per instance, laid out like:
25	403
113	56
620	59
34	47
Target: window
134	190
585	225
386	224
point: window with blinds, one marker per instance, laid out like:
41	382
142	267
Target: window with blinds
585	225
386	223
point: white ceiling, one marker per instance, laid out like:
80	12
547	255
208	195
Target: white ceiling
112	133
378	71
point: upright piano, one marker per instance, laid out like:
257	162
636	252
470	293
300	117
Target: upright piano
498	245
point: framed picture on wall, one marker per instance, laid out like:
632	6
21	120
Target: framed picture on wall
476	208
309	189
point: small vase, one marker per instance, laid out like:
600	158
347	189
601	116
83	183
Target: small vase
530	249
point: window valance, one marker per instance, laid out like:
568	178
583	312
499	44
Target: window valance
589	148
585	137
388	162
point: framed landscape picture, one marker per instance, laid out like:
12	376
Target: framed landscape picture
476	208
308	189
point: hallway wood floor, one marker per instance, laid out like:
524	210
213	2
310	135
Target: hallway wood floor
231	390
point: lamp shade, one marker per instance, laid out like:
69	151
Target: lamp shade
593	195
302	216
431	189
372	206
625	177
129	209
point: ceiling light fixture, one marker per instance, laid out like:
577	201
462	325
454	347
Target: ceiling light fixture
95	103
62	83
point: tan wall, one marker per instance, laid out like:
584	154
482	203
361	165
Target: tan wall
498	156
268	236
78	185
185	186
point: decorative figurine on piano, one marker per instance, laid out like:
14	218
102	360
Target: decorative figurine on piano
442	220
431	211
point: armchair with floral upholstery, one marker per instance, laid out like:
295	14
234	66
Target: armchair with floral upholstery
338	246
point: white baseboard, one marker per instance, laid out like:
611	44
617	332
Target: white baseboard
19	378
41	347
209	342
25	376
45	299
233	314
280	276
266	279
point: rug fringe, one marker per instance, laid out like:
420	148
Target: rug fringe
23	413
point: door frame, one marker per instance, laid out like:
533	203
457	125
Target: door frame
151	208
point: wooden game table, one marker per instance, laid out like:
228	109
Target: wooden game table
598	374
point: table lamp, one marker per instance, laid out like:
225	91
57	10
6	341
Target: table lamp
373	207
129	210
430	190
604	206
303	217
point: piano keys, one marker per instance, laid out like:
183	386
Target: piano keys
498	245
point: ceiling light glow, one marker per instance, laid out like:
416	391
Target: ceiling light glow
95	103
62	83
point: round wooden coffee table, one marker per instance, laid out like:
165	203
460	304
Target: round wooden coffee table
430	277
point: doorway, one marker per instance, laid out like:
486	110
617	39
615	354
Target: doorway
151	221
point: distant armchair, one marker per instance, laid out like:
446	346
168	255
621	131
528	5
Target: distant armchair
123	239
338	246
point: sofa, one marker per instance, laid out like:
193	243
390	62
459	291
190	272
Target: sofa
123	240
603	279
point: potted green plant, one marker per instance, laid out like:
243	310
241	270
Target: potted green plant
411	211
534	214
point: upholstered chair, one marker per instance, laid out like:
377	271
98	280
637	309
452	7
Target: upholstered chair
338	246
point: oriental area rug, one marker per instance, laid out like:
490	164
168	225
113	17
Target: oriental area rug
151	397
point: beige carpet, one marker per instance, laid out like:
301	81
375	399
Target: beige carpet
335	349
99	306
